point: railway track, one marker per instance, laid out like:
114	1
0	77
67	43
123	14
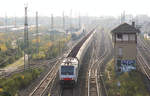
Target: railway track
94	71
67	92
143	65
143	57
93	89
21	69
46	81
93	86
102	66
144	46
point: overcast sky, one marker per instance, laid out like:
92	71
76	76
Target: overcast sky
85	7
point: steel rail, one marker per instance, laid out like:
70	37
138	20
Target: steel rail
144	65
94	69
142	60
41	87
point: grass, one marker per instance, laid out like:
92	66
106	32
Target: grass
18	63
131	83
11	86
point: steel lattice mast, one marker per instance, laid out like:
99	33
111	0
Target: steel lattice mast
63	21
52	26
5	22
26	38
79	21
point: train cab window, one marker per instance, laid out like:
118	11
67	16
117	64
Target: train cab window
67	70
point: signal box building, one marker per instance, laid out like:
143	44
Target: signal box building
125	42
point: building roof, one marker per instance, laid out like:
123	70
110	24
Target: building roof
125	28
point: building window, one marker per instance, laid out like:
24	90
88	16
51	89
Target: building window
120	51
125	37
132	37
119	37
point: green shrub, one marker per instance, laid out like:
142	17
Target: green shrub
132	83
18	81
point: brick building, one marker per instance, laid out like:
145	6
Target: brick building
125	42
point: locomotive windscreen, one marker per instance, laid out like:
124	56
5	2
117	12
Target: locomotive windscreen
67	70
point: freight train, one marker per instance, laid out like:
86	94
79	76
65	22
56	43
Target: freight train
70	66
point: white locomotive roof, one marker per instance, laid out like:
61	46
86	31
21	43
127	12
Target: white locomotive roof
69	61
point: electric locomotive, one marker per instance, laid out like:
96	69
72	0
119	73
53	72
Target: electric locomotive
68	71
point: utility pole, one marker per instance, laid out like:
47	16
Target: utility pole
37	34
6	22
52	26
26	39
87	19
64	24
26	29
70	18
52	22
15	22
63	21
79	21
123	17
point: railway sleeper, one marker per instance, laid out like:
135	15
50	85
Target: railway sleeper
92	81
93	93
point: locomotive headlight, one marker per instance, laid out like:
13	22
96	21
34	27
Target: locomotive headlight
72	78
